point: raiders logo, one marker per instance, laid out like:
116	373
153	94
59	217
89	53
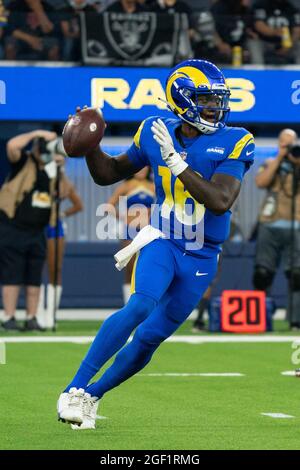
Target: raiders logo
130	35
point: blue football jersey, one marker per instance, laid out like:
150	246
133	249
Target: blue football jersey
189	224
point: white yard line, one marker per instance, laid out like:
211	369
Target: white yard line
291	373
221	338
47	339
277	415
172	339
185	374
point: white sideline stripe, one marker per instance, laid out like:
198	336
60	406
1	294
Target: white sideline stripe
101	417
204	374
48	339
221	338
277	415
172	339
289	373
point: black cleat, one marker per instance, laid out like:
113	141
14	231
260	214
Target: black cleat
198	327
295	326
33	325
11	325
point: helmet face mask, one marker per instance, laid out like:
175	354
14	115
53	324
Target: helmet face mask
196	92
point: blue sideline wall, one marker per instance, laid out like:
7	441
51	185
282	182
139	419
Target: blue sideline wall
91	280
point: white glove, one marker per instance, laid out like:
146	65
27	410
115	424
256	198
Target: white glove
168	153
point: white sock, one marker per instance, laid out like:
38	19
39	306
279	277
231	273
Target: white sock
41	307
126	293
50	303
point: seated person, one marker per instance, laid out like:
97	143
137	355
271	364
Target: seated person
187	31
3	24
276	32
231	19
27	35
125	6
70	27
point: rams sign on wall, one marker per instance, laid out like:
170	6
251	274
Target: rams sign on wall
131	94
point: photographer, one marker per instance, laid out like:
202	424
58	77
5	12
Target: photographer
25	207
275	222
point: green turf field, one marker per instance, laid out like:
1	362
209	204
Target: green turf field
156	412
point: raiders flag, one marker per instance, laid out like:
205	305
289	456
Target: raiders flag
132	39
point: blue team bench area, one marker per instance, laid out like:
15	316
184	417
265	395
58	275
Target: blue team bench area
90	279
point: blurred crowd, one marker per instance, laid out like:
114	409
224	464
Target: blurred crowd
225	31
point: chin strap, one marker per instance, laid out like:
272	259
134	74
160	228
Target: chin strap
204	128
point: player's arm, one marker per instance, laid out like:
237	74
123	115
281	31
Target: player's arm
106	170
217	195
220	192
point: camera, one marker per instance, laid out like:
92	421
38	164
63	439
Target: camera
294	150
48	149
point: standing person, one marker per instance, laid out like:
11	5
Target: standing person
25	207
139	192
67	191
198	164
274	232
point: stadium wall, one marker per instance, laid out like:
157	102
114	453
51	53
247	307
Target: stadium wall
91	280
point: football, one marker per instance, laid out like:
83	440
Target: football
83	132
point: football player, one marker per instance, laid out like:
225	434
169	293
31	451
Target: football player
198	164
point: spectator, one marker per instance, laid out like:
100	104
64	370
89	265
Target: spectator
3	24
39	7
125	6
67	192
198	5
28	38
274	232
169	6
70	26
186	31
101	5
25	207
231	19
276	32
204	37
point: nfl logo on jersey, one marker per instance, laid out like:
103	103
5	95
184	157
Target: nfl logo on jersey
183	155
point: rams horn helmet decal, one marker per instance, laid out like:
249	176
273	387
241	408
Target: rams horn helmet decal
196	91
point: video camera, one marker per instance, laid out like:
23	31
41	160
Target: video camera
48	149
294	150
